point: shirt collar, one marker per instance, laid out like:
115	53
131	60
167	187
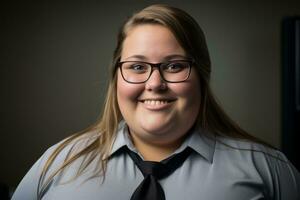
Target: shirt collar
122	138
199	140
202	142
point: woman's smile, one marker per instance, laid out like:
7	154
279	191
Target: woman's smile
157	104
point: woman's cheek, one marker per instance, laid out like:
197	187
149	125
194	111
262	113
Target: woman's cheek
127	91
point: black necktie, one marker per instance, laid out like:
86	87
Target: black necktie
149	188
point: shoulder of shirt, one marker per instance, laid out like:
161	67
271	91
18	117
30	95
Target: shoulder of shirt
72	148
257	150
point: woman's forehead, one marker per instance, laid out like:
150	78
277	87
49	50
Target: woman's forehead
150	42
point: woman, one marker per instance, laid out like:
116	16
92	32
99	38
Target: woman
161	135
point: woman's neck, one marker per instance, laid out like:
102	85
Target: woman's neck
155	152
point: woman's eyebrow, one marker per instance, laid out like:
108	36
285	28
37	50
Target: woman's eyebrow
175	56
139	57
166	58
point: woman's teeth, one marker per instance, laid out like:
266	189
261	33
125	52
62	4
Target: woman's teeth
155	102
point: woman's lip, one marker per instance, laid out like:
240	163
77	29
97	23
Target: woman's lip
157	104
157	99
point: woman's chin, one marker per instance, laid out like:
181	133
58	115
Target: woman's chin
157	128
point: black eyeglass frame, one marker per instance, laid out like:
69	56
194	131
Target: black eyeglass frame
158	66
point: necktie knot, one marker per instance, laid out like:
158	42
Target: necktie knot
151	168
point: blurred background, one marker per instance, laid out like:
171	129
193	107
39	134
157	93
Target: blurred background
54	59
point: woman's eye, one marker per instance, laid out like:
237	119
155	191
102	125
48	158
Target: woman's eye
174	67
138	68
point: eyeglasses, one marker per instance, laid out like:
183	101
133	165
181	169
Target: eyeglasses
139	72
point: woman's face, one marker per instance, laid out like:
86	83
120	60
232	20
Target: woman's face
157	112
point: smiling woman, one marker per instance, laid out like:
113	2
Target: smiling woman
161	135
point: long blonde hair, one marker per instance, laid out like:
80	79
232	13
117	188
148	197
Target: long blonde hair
211	116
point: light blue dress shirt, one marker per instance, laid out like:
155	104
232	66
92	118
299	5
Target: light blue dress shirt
214	171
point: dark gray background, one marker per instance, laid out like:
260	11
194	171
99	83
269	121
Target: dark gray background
54	59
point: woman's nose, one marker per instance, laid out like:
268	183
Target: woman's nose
155	81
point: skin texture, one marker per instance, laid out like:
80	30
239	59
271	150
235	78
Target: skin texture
156	130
